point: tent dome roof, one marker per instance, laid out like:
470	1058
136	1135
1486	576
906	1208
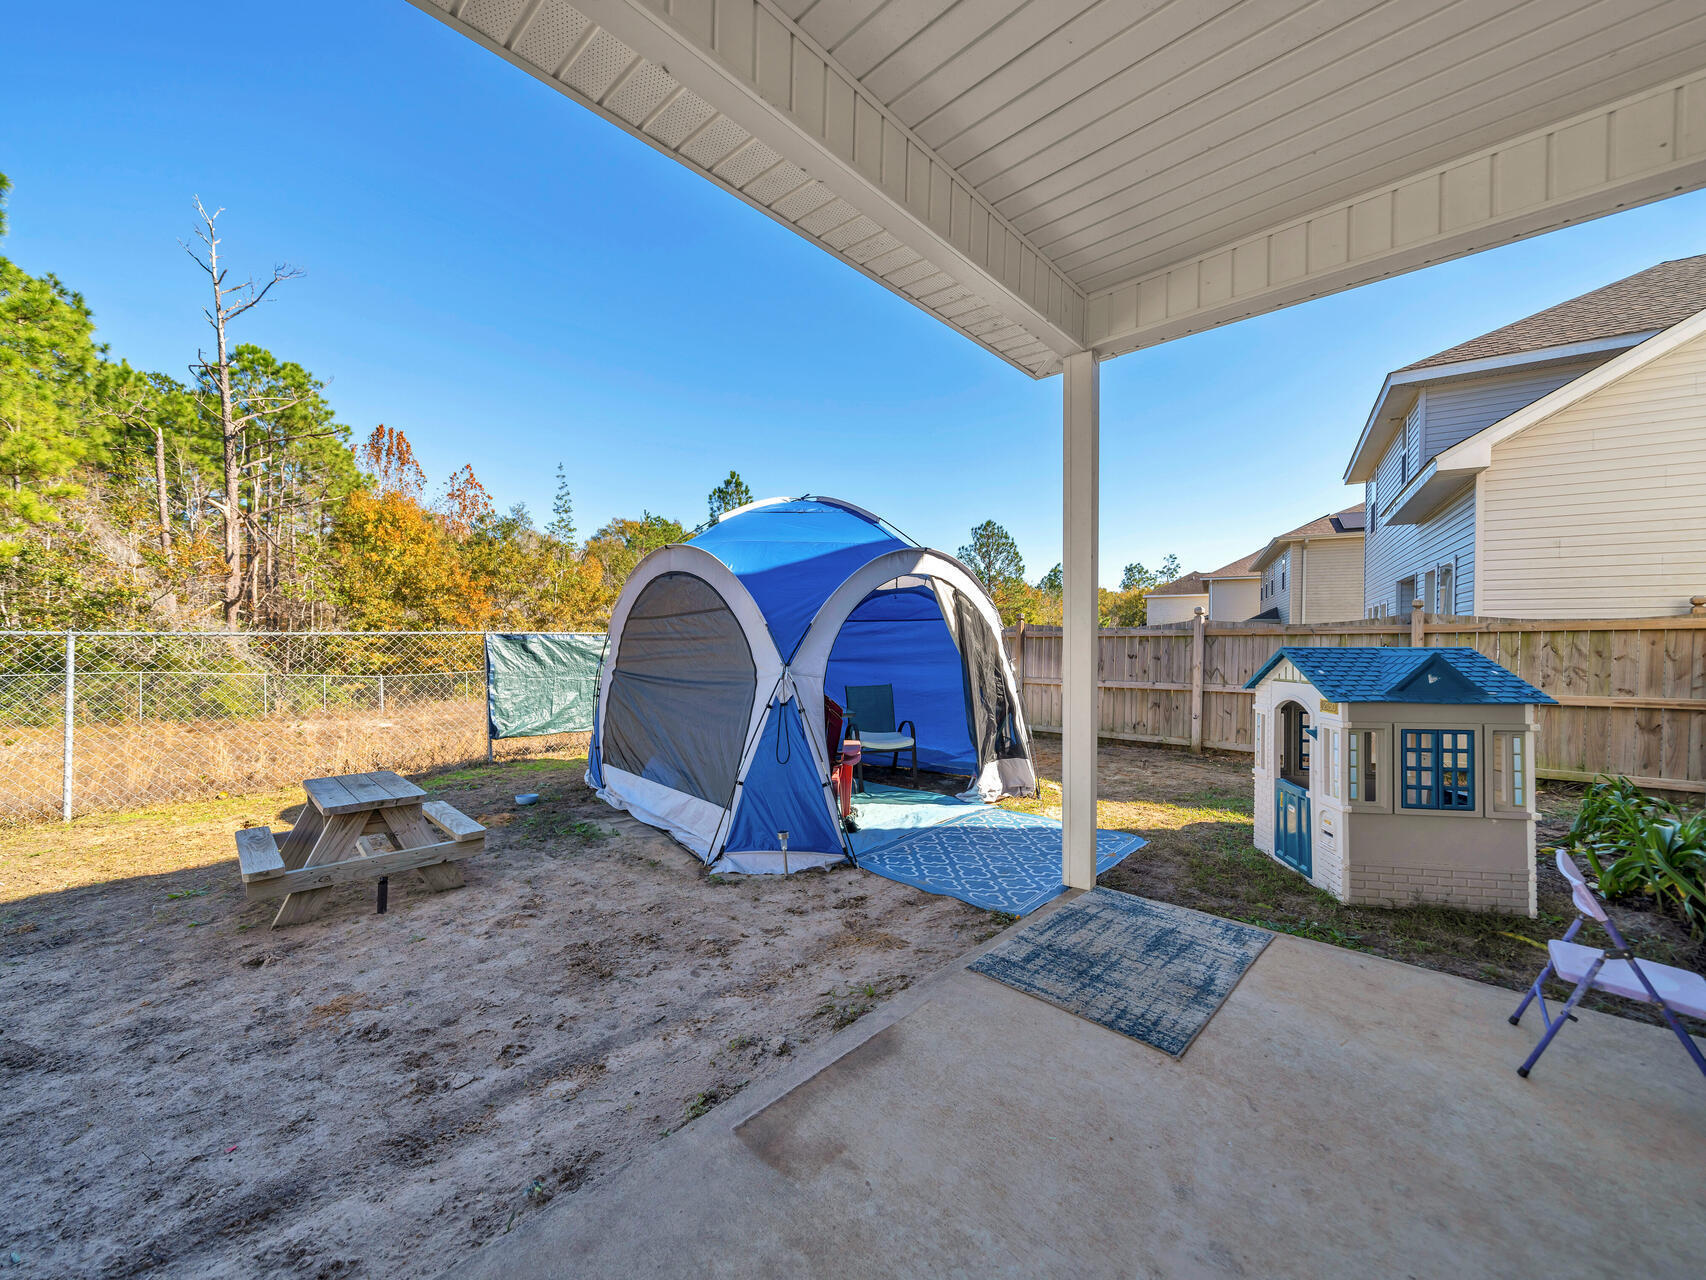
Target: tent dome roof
792	553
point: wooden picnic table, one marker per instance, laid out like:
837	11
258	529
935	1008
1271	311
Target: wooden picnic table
363	826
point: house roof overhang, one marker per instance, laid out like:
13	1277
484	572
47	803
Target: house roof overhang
1053	176
1399	391
1277	546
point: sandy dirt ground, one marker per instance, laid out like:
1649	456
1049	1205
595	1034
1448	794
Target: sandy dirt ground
187	1093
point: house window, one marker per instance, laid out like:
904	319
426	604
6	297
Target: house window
1439	769
1406	595
1510	767
1362	757
1447	602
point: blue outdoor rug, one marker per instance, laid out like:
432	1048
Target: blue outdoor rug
889	814
1149	970
992	858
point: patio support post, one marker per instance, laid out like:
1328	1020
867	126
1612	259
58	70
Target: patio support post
1078	693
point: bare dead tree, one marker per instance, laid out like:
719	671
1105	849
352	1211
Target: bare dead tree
229	302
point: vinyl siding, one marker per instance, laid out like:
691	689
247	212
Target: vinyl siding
1392	553
1457	410
1332	580
1234	600
1278	596
1597	512
1165	609
1442	416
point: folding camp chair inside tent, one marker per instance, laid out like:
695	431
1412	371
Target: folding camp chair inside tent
710	707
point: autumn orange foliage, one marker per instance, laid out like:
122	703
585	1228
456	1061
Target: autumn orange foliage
400	570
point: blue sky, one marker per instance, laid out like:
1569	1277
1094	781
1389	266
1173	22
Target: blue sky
515	283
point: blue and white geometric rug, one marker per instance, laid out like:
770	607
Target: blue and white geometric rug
992	858
1149	970
890	814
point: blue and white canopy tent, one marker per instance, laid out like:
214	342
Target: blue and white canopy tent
710	708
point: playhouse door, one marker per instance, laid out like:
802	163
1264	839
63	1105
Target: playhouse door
1291	825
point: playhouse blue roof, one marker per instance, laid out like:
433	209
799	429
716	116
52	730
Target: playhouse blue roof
1375	673
791	556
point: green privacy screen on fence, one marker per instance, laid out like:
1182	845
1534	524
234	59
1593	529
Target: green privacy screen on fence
539	683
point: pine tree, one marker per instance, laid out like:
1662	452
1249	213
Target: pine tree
48	358
562	526
729	495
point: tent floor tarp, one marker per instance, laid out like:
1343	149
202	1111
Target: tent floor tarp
990	857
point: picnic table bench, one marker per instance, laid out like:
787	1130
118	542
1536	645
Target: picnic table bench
364	826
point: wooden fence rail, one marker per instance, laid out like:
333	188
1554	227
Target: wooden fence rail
1631	691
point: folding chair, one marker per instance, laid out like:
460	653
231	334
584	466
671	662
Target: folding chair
870	716
1616	972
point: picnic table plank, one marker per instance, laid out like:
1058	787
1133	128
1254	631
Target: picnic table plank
296	846
399	786
412	831
452	821
335	844
257	854
330	796
382	789
310	882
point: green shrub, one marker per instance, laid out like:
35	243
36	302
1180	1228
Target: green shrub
1636	843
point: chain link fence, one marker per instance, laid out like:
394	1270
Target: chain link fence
98	721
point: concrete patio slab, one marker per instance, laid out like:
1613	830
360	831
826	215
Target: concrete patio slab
1340	1115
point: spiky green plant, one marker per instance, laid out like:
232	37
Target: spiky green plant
1636	843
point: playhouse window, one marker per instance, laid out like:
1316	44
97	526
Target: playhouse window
1510	772
1294	744
1439	769
1332	745
1362	761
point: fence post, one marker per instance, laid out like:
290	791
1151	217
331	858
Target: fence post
70	722
1418	634
1199	625
486	693
381	693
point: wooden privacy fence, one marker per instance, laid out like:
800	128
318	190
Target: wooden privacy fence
1631	692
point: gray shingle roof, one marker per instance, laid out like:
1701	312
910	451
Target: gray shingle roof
1377	673
1652	299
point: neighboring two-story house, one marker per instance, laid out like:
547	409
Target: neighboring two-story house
1314	573
1552	468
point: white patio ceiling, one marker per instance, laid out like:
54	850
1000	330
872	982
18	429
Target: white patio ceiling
1051	176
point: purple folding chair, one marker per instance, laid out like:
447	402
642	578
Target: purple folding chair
1615	971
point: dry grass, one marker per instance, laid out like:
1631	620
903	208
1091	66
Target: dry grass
123	764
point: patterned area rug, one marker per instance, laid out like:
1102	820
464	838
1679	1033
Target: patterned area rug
1149	970
890	814
992	858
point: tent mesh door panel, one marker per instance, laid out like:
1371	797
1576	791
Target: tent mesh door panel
681	690
989	706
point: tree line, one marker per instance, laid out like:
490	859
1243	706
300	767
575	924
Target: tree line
994	557
233	497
